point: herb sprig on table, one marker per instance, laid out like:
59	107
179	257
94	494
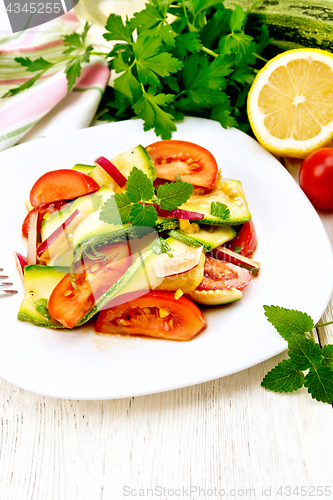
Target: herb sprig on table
171	59
304	354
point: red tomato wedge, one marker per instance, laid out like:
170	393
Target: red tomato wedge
194	163
245	242
45	208
93	278
221	275
157	314
61	185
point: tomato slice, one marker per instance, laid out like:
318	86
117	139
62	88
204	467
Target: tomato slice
93	278
156	314
61	185
221	275
45	208
194	163
245	242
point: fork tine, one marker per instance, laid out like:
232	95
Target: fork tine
5	284
4	277
8	292
1	269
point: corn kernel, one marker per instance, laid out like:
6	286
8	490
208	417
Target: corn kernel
184	224
124	322
178	294
230	190
45	216
146	310
68	293
163	313
189	161
171	323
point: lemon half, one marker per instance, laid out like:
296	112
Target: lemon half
290	103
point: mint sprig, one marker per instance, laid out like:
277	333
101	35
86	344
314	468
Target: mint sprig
304	354
136	204
219	210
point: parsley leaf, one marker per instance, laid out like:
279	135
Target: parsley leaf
283	378
117	29
149	108
219	210
36	65
161	246
173	194
116	210
143	215
188	42
319	382
23	86
74	67
288	321
139	187
303	352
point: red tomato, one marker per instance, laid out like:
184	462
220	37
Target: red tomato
46	208
93	278
221	275
245	242
195	164
156	314
61	185
316	178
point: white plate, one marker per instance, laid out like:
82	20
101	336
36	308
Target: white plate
293	248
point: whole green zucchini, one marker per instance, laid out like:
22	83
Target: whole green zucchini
292	23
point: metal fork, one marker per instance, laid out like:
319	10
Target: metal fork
5	293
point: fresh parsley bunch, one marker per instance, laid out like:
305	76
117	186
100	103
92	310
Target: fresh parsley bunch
177	58
304	354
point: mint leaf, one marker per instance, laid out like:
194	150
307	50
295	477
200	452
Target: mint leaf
303	352
116	210
174	194
139	187
41	308
319	382
36	65
327	353
143	215
219	210
283	378
288	321
117	29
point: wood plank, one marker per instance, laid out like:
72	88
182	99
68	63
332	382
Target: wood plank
228	433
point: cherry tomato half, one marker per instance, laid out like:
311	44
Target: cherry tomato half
45	208
245	242
195	164
61	185
93	278
316	178
157	314
221	275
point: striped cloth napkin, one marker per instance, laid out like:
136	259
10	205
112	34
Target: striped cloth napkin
45	108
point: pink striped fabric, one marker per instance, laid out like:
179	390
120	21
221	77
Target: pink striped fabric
21	112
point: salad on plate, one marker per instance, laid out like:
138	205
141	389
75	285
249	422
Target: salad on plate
137	243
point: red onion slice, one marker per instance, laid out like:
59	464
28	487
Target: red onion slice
179	213
53	236
111	170
179	264
21	262
32	239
